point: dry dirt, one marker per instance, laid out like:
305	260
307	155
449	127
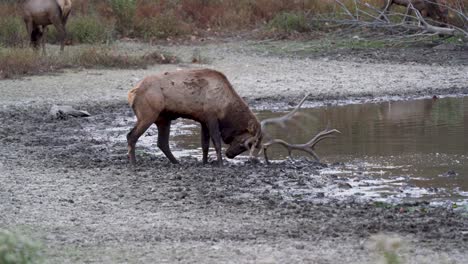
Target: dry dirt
74	191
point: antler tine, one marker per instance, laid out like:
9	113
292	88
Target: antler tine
321	136
282	119
307	147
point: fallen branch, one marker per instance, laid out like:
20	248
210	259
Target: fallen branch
430	28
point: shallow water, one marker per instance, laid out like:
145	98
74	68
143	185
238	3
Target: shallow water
403	149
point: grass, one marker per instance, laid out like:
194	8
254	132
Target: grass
160	27
387	248
88	29
124	13
12	31
16	249
289	22
107	58
16	62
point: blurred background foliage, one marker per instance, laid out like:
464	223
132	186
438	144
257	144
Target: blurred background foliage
101	21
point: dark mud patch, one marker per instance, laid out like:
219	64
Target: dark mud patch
77	190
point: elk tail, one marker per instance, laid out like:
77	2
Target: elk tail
132	93
64	7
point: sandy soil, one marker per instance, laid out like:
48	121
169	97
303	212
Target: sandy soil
74	191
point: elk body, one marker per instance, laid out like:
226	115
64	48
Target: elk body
205	96
434	9
38	14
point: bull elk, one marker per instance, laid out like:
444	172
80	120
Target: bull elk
38	14
435	9
207	97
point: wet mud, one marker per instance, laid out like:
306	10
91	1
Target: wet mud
76	193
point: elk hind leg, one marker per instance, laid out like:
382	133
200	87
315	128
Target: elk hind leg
205	142
132	137
164	129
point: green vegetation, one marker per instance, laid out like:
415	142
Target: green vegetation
16	249
160	27
12	31
289	22
124	11
387	248
84	29
89	29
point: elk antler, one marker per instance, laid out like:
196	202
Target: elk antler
283	119
307	147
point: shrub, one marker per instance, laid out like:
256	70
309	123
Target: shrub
15	249
104	57
12	31
124	11
17	61
101	57
83	29
24	61
89	29
161	26
289	22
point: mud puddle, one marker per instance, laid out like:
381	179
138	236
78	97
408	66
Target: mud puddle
395	150
388	151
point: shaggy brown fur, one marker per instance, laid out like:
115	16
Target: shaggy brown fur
202	95
38	14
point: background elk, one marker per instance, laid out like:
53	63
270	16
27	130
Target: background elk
38	14
435	9
205	96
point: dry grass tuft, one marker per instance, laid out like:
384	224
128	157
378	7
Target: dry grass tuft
108	58
20	61
16	62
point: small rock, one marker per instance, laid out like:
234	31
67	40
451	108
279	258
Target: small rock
450	173
445	46
64	111
344	185
181	195
300	246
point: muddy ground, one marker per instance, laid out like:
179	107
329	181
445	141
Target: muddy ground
73	190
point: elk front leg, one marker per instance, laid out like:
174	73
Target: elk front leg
59	25
164	128
205	142
43	40
213	128
29	28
